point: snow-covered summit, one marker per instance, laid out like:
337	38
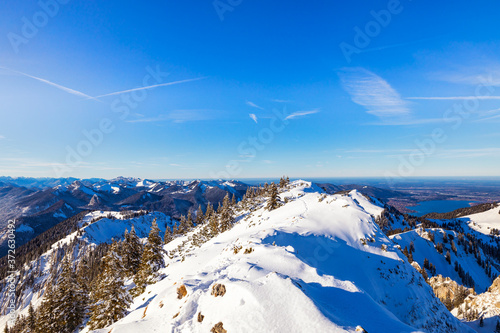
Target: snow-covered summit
318	263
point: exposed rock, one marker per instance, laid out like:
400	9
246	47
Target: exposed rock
218	290
486	304
218	328
442	285
181	291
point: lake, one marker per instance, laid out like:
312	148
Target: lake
439	206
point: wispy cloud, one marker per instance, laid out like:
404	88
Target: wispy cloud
454	97
397	45
374	93
408	122
151	87
376	151
177	116
497	117
254	105
301	114
58	86
469	153
254	117
487	75
2	137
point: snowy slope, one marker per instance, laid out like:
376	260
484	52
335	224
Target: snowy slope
317	264
96	227
485	221
424	248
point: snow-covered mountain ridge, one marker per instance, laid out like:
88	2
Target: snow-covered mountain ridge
46	202
317	263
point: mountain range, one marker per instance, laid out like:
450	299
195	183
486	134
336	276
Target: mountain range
343	259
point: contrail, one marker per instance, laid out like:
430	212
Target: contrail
150	87
455	97
66	89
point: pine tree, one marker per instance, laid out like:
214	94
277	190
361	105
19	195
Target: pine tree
46	311
168	235
233	200
199	216
209	211
459	296
110	299
497	329
213	224
132	252
273	202
70	299
183	225
481	322
189	220
31	319
6	329
83	274
226	214
283	182
151	260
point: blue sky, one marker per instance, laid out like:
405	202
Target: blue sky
237	89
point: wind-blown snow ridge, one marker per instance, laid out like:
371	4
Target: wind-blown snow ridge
319	263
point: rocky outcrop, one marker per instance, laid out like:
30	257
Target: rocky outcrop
486	304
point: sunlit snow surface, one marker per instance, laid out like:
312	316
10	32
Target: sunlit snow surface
309	271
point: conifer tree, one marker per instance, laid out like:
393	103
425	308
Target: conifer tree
46	311
189	220
448	257
273	202
226	214
209	211
110	299
31	319
250	193
167	238
183	225
83	274
282	182
497	329
233	200
199	216
6	329
132	252
151	260
70	300
213	223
